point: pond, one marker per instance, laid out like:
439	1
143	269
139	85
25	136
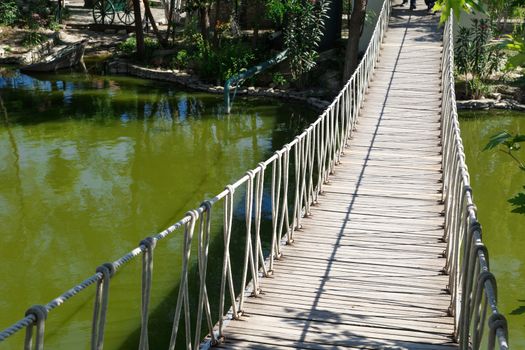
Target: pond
90	165
496	178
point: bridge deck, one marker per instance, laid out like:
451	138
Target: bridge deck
365	270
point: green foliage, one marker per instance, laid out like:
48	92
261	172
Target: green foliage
510	144
504	138
278	79
8	12
518	202
516	45
222	63
128	46
476	57
458	6
276	10
181	60
302	33
33	38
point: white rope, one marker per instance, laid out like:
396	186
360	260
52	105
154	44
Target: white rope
101	306
226	267
275	252
182	298
39	313
147	273
258	254
204	242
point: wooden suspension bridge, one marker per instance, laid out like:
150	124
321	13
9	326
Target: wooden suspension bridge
373	200
366	269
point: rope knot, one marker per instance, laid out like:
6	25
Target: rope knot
262	165
106	269
207	205
475	226
38	311
194	214
230	189
488	276
467	188
149	243
496	321
481	247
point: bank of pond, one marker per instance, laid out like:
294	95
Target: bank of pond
90	165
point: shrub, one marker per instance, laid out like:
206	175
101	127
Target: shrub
33	38
128	46
181	60
222	63
476	57
278	79
8	12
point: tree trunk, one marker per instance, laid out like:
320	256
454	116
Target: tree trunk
139	33
204	18
147	9
171	19
354	34
215	29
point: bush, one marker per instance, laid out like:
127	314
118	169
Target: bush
33	38
224	62
476	57
278	79
8	12
181	60
128	46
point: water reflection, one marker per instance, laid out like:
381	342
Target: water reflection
91	165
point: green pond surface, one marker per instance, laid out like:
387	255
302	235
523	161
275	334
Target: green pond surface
89	166
496	178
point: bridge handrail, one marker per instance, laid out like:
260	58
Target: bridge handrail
472	286
315	153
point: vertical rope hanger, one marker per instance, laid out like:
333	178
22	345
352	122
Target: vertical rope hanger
101	306
39	312
183	298
147	275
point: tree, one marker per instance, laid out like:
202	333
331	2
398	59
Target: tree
355	29
139	33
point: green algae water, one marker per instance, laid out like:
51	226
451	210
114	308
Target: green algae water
89	166
496	178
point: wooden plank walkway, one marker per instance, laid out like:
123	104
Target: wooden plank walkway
365	271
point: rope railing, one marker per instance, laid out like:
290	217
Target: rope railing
471	284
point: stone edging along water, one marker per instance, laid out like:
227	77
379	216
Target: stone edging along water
489	103
192	82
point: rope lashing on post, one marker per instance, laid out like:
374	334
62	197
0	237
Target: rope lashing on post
149	244
39	313
183	297
106	271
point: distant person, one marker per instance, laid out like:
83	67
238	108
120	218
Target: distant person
430	4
